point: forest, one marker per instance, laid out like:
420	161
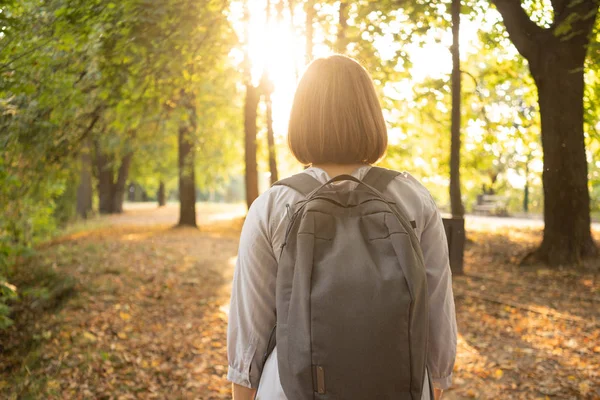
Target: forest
123	120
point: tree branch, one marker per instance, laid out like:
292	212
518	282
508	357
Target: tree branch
523	32
559	7
5	67
574	20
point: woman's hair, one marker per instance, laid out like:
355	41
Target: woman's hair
336	116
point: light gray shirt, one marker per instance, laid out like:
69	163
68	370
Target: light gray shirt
252	313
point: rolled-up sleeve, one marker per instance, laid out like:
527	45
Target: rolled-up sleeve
442	316
252	309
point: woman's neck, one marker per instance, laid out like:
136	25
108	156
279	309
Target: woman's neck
338	169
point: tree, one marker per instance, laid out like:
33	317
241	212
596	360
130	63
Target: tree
341	40
455	227
309	9
274	177
268	91
85	190
161	194
250	114
112	172
456	205
556	57
179	48
187	156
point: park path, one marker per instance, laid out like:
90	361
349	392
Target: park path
149	317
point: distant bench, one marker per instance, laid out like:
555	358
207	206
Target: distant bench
490	204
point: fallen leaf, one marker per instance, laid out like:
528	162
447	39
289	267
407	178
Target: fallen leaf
584	388
53	385
90	337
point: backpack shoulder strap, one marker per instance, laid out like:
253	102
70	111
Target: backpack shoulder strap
302	183
379	178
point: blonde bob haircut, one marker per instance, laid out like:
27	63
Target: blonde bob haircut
336	117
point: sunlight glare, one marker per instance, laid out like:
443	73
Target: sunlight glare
277	51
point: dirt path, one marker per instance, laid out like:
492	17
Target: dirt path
149	317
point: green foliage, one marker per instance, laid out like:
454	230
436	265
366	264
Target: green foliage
592	115
128	75
111	73
8	293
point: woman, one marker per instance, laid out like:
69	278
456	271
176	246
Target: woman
337	127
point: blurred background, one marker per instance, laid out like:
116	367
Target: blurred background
175	112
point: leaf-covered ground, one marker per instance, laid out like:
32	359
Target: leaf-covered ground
147	319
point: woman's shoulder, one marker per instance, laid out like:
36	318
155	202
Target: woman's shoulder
268	212
409	191
407	182
272	202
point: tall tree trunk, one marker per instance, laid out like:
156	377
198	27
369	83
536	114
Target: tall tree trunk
567	236
161	195
105	181
111	193
271	140
84	191
309	9
341	41
187	187
292	9
118	190
187	158
556	60
250	114
310	16
526	191
252	99
455	192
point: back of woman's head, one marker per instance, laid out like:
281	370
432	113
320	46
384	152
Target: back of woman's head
336	116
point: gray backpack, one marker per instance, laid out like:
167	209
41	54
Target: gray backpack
351	294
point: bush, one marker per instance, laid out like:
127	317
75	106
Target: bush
34	203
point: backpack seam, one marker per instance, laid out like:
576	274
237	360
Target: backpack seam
390	234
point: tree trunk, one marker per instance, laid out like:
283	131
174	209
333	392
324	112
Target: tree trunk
187	181
567	236
111	193
526	191
105	181
292	10
252	99
271	140
455	192
118	190
161	195
310	16
556	59
84	191
341	41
